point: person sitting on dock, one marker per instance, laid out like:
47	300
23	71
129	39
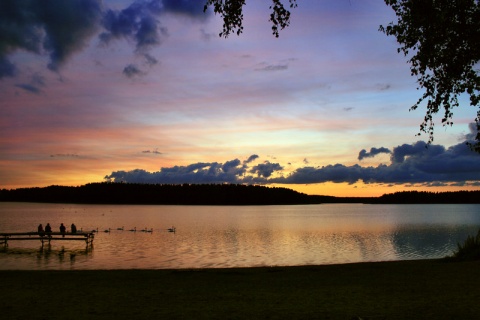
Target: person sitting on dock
41	233
73	228
62	229
48	230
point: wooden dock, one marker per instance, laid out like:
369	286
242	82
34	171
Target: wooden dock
45	237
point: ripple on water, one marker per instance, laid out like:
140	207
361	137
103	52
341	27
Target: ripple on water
240	236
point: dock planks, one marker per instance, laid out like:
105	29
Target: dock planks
47	237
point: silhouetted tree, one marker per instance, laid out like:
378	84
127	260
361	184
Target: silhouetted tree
442	40
440	37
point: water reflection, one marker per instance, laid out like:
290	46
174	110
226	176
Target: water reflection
416	242
237	236
45	256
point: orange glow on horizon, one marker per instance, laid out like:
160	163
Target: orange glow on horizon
360	189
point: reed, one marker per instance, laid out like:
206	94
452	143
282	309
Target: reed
469	250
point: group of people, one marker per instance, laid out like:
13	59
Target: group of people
63	229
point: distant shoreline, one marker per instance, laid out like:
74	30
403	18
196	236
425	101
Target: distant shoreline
215	194
412	289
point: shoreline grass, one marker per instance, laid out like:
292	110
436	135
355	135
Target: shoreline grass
416	289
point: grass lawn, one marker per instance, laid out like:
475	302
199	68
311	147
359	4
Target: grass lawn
421	289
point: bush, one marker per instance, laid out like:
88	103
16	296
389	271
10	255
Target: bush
469	250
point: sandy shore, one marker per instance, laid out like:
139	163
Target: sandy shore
422	289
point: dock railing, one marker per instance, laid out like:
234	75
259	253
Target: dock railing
47	237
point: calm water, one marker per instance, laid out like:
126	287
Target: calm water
223	236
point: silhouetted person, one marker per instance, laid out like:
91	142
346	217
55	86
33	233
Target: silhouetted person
73	228
62	229
48	229
40	230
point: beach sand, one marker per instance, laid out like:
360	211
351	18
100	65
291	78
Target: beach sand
420	289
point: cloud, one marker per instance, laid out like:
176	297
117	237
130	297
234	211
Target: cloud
195	173
56	27
473	134
410	164
266	169
253	157
36	82
231	171
280	66
273	67
7	69
192	8
151	61
204	35
138	22
415	163
60	28
28	87
229	165
132	70
64	155
373	152
152	151
384	86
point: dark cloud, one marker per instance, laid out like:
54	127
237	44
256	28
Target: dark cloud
36	82
28	87
192	8
417	163
7	69
138	22
151	61
195	173
373	152
266	169
410	164
64	155
60	28
253	157
57	27
331	173
132	70
68	26
418	150
230	165
152	151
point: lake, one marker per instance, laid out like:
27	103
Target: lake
234	236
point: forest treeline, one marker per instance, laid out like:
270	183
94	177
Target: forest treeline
213	194
430	197
184	194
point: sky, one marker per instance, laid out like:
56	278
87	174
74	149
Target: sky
147	92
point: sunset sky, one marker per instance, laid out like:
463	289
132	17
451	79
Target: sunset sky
146	91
